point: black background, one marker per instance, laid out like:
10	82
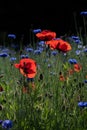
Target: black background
20	16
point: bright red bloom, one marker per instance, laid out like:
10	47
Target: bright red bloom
27	67
59	44
46	35
77	67
52	43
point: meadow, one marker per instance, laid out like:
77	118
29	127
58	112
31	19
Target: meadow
58	101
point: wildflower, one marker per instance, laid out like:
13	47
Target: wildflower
13	36
59	44
41	43
4	55
75	37
1	121
37	52
27	67
29	49
46	35
82	104
61	77
7	124
78	52
54	53
24	56
13	58
36	31
85	50
70	72
72	61
77	67
83	13
85	81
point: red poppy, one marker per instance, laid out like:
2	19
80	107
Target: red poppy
62	78
52	43
64	46
27	67
59	44
46	35
77	67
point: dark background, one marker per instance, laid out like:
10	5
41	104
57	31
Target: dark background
18	17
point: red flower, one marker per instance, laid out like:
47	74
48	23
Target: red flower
77	67
59	44
27	67
52	43
46	35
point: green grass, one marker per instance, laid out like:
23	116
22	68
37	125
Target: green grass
53	104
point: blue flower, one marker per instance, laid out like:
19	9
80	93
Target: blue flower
85	50
72	61
4	55
13	58
83	13
13	36
41	43
1	121
75	37
37	52
85	81
78	52
29	49
24	56
7	124
54	53
82	104
36	31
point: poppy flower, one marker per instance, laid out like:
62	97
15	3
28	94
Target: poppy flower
59	44
46	35
61	77
64	46
27	67
77	67
52	43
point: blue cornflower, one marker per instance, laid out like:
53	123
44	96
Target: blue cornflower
85	50
78	41
7	124
41	43
78	52
82	104
72	61
54	53
36	31
4	55
83	13
85	81
24	56
12	36
75	37
29	49
13	58
1	121
37	52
